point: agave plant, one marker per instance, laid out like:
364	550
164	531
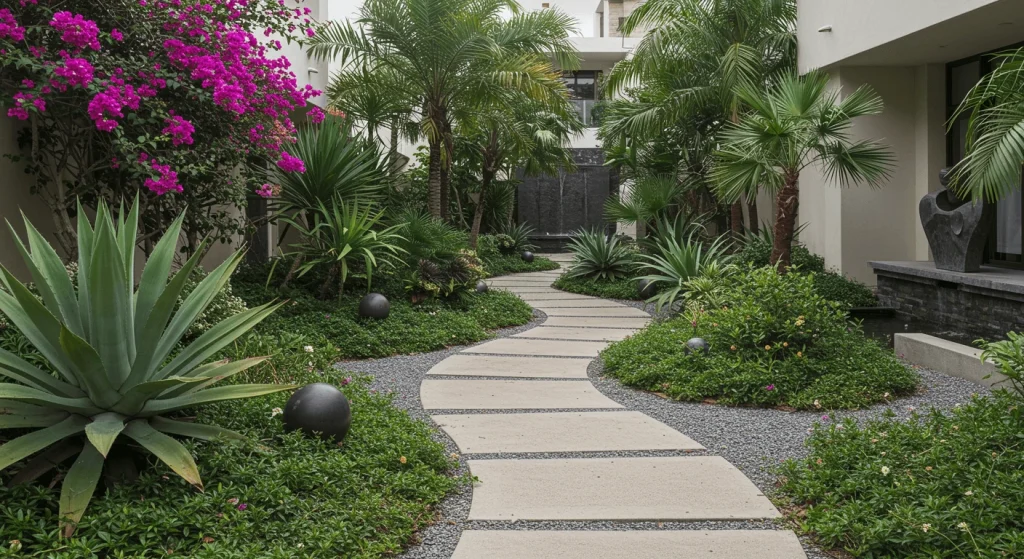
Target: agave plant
110	347
342	234
598	256
676	261
520	235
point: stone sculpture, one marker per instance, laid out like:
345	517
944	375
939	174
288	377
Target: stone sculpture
956	229
319	409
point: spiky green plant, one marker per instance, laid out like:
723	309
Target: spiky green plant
520	235
676	261
595	255
111	347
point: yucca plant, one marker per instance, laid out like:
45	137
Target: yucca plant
344	233
676	261
595	255
111	348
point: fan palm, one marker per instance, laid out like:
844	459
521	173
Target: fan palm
454	53
991	168
797	123
110	346
688	64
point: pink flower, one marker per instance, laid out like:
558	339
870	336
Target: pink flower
166	182
345	381
316	115
116	35
310	32
265	191
242	506
76	71
76	30
770	387
290	164
824	418
179	129
9	26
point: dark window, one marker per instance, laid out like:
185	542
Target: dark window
582	84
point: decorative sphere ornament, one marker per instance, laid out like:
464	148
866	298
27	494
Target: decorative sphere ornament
318	409
646	288
481	286
527	256
698	344
374	305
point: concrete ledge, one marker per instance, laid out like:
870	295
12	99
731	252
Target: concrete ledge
946	357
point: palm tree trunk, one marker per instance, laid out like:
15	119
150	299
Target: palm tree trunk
736	219
446	180
291	272
755	223
787	200
393	148
434	180
325	289
478	212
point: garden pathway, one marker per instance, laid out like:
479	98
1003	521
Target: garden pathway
530	394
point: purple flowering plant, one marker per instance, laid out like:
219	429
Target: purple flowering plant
198	86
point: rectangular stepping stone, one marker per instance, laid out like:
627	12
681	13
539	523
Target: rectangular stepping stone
685	488
596	322
527	290
616	544
591	303
620	311
501	366
513	346
523	283
511	395
561	432
584	334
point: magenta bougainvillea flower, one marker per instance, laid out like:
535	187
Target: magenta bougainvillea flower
76	30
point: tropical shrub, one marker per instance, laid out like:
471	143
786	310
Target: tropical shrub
830	284
943	484
774	342
1008	355
119	98
676	260
598	256
111	347
619	288
453	276
428	238
519	236
344	235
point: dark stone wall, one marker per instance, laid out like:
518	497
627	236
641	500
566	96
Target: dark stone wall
975	311
557	206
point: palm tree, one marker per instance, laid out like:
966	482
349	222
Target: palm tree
454	53
520	132
687	66
992	166
797	123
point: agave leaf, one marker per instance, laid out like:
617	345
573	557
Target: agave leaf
168	450
159	313
154	277
135	397
85	242
45	461
90	368
50	276
23	420
27	395
78	488
16	368
211	376
215	339
194	430
211	395
103	431
110	322
31	443
37	324
127	230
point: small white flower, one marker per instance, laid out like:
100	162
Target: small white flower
925	527
968	493
885	470
308	349
300	545
886	395
963	527
276	412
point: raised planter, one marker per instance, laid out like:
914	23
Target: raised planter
946	357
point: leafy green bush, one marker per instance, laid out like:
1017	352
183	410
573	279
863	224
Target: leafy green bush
424	237
1008	355
112	346
831	285
454	276
275	495
774	341
504	264
432	325
939	485
596	255
520	236
620	288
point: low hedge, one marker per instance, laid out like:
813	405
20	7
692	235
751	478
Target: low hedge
621	288
504	264
774	341
939	485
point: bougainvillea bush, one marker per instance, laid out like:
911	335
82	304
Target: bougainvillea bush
189	99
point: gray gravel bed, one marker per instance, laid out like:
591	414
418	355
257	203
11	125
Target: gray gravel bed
754	440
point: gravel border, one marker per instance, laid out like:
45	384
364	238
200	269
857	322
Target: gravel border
755	440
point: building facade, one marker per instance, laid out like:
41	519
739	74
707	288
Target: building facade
921	56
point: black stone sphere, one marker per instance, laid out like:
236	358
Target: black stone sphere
481	286
374	305
318	409
646	288
527	256
698	344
